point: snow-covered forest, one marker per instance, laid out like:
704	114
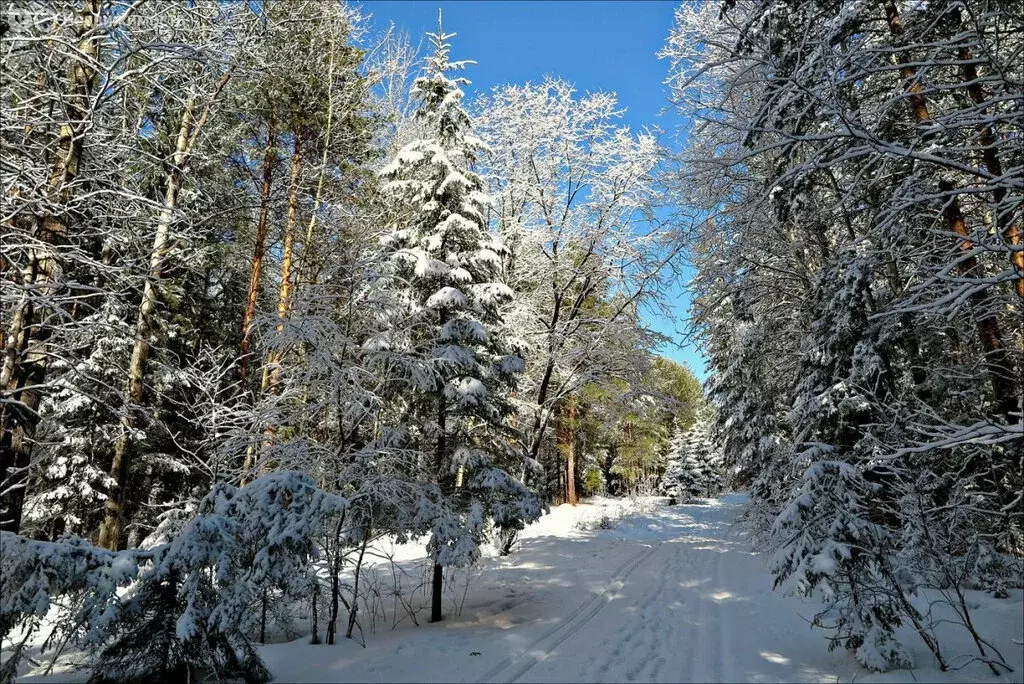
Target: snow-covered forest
320	364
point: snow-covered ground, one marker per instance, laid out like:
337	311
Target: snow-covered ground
668	594
615	590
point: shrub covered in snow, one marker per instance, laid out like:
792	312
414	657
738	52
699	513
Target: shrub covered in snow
829	544
186	604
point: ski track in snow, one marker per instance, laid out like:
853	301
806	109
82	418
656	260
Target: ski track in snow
543	647
665	634
666	622
672	595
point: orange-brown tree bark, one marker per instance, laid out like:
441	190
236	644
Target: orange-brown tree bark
272	376
1006	217
986	325
259	251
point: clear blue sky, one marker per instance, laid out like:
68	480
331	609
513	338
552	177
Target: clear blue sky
608	46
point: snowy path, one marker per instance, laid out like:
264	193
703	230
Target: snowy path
681	610
670	596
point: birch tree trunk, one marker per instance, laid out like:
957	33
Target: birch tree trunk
113	522
112	528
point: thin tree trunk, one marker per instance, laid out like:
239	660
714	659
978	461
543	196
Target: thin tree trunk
987	327
332	624
113	522
26	343
437	582
263	618
307	245
436	586
568	443
259	250
314	614
355	586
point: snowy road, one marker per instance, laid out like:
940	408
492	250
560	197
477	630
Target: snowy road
673	595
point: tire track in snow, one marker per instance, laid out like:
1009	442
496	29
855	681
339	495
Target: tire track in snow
550	640
663	634
698	627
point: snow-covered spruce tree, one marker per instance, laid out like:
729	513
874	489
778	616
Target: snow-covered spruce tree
694	466
748	391
33	574
186	603
67	493
448	268
701	443
677	475
829	543
194	607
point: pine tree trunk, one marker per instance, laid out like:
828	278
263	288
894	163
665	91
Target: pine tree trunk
256	267
26	343
120	470
986	325
272	372
255	278
997	361
1005	217
918	104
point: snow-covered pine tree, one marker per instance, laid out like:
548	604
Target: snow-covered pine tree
708	455
448	269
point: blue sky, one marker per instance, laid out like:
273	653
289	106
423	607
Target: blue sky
609	46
